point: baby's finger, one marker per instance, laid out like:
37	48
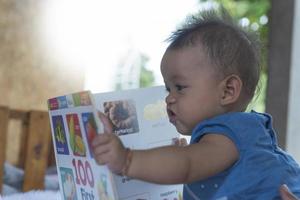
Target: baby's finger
101	149
179	141
101	139
182	142
286	194
100	159
101	154
106	122
175	141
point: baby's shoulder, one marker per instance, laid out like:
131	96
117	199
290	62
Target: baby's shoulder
240	118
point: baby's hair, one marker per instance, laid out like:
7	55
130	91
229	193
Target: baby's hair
230	48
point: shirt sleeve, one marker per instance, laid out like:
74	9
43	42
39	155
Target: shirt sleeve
216	128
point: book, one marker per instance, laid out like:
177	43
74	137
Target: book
138	117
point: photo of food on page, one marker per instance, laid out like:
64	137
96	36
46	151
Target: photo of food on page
122	115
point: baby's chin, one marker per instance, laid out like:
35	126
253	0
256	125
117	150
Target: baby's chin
184	131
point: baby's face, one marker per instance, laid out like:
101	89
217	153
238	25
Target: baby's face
193	86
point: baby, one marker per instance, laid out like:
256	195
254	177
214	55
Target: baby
211	70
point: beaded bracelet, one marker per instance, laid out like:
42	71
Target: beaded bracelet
128	162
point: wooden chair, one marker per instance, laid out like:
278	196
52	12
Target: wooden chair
36	149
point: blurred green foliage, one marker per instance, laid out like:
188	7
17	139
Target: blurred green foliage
145	79
146	75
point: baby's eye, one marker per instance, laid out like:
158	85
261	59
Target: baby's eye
180	87
167	89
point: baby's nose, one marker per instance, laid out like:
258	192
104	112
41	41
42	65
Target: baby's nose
170	99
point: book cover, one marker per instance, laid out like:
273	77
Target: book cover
138	117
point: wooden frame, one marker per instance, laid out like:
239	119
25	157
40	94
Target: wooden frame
36	149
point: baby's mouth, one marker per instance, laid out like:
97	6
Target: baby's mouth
172	116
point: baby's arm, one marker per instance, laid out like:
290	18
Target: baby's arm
174	164
166	165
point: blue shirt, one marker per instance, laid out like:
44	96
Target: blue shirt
261	168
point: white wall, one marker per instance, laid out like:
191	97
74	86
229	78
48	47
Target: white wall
293	125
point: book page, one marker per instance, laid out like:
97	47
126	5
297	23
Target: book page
139	118
73	127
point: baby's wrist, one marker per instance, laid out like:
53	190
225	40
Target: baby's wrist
127	164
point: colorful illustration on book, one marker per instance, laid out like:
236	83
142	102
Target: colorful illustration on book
155	111
76	140
123	116
68	184
82	99
60	135
53	104
62	102
90	128
57	103
103	188
70	101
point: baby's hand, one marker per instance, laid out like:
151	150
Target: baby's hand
179	141
286	194
108	148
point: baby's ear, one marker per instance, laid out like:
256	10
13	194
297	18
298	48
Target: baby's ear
231	88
